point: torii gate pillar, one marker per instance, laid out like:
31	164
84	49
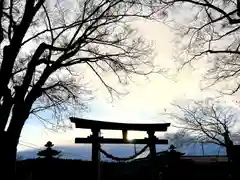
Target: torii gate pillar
152	148
96	154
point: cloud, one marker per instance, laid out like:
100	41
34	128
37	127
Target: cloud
147	98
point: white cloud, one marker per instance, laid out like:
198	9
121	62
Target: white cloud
147	98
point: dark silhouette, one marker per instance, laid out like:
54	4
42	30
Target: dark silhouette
48	153
95	139
207	29
207	122
173	153
43	44
182	168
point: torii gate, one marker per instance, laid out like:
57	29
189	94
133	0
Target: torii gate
96	140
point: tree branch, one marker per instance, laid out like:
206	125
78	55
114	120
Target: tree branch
1	15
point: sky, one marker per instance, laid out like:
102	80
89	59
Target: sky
147	98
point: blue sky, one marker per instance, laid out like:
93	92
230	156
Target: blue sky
146	100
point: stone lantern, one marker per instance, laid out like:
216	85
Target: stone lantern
48	153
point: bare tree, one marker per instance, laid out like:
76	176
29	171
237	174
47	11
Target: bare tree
208	122
43	44
181	139
209	30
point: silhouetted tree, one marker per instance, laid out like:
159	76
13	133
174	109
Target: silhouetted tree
43	44
208	30
180	139
207	122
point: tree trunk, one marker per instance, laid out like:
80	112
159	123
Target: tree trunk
229	145
10	140
8	159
